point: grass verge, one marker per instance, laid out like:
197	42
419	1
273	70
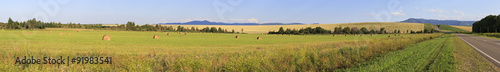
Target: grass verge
444	54
468	60
431	55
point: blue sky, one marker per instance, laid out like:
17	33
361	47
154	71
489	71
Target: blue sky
257	11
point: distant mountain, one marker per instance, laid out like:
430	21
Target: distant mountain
440	22
205	22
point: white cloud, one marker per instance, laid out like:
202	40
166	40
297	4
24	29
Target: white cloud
431	10
397	14
435	10
251	20
459	12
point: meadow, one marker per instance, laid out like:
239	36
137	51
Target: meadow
138	51
452	28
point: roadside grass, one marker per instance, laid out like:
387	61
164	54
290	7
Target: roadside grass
431	55
469	60
489	35
444	54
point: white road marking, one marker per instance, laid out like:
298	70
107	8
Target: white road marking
480	50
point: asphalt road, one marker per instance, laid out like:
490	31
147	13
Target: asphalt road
489	48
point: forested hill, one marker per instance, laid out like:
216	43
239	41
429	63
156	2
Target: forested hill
439	22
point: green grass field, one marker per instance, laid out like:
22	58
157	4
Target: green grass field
445	54
432	55
123	41
138	51
452	28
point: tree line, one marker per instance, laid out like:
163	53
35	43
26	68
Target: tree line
488	24
347	30
337	30
130	26
308	30
34	24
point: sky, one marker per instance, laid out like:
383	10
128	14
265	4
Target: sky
248	11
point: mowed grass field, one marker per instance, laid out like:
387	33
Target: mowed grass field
130	42
138	51
257	29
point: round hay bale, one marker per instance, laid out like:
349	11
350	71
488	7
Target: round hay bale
237	36
258	38
68	33
61	33
106	37
168	33
156	37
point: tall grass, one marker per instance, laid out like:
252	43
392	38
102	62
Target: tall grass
496	35
468	60
434	55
